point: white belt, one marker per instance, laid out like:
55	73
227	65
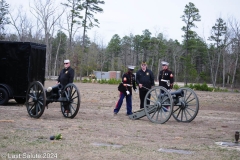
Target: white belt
167	81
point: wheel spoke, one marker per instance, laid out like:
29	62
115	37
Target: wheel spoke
190	100
73	93
187	113
31	108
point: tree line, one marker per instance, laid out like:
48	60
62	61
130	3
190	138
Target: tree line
194	60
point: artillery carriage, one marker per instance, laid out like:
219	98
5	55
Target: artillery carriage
160	105
37	98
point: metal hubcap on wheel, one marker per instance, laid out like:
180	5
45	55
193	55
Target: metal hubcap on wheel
183	105
35	99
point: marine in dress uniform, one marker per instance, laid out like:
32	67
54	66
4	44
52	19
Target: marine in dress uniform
166	74
125	88
145	81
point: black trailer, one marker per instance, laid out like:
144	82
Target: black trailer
21	63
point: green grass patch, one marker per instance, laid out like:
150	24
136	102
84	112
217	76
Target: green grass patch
205	87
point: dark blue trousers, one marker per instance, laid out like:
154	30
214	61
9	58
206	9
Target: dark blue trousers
128	103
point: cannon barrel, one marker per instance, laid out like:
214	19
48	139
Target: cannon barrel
178	93
55	88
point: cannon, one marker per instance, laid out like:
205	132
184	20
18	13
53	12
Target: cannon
37	98
160	105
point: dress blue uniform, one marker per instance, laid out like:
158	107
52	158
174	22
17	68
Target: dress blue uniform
166	74
125	88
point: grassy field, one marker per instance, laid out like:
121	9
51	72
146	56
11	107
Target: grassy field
96	134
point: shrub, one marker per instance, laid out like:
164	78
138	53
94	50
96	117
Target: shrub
176	86
114	81
200	87
85	80
110	81
204	87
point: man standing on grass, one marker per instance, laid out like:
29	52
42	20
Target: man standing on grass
166	74
145	81
125	88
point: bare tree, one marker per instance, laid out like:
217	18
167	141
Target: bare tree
234	28
102	57
227	42
73	25
177	53
73	17
71	32
45	12
22	25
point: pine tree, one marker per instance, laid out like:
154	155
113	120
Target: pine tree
75	15
191	15
217	36
90	7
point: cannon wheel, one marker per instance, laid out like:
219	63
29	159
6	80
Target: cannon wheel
35	99
188	108
160	105
73	101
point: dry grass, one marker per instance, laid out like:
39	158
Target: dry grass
96	134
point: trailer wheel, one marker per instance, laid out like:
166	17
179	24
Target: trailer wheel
3	96
35	99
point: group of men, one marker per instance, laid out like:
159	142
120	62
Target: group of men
145	81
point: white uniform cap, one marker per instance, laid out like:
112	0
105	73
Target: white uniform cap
67	61
131	67
165	63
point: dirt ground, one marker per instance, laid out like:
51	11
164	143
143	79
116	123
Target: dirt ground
96	134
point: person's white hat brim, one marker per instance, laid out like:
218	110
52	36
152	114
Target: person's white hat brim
67	61
165	63
131	67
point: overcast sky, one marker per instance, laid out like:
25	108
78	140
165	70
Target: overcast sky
123	17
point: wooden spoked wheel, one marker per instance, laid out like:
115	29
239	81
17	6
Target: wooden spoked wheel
35	99
187	107
158	105
71	107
